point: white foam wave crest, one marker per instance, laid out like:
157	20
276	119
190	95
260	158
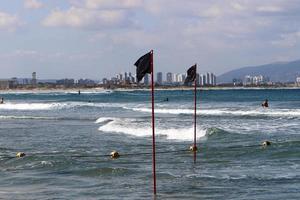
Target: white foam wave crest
57	91
226	112
90	92
131	127
53	106
25	117
104	119
31	106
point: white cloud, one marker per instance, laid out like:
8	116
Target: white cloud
100	4
213	11
86	18
32	4
288	40
238	6
9	22
233	31
269	8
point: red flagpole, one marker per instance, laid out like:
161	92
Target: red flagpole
153	127
195	115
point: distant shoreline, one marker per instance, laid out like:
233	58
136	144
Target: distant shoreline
102	89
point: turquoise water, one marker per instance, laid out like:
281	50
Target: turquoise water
67	139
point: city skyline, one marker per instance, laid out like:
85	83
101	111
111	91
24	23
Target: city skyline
92	38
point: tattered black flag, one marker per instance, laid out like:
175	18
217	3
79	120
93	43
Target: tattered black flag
143	66
191	74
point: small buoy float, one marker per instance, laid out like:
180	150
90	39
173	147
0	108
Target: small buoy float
114	154
193	148
20	154
266	143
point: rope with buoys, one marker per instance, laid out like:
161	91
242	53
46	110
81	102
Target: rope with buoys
115	154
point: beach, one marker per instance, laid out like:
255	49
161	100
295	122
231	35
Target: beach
68	138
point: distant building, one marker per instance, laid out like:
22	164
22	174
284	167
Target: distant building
104	81
248	80
181	78
7	84
237	82
197	79
86	82
146	79
203	79
200	80
159	78
213	79
4	84
66	82
120	77
26	81
169	77
175	78
208	80
256	80
33	80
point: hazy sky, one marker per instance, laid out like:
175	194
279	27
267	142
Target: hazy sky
98	38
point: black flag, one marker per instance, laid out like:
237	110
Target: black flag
143	66
191	74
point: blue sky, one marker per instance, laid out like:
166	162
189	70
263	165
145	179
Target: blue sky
99	38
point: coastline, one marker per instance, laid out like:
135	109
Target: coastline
103	89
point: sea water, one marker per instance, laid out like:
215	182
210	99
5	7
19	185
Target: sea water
68	137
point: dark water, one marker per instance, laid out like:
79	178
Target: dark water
67	139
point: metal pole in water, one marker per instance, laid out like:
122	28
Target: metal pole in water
195	115
153	126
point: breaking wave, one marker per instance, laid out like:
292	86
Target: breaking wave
225	112
20	117
54	105
27	117
135	128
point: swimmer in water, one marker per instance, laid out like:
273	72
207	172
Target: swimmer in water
265	104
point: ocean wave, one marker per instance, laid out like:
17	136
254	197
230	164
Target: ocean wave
25	117
54	105
90	92
57	91
259	177
32	106
134	128
104	119
225	112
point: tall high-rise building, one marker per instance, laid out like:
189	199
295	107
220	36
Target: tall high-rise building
125	76
120	77
146	79
211	78
197	79
169	77
208	81
159	78
200	80
181	78
33	80
175	78
214	80
204	81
